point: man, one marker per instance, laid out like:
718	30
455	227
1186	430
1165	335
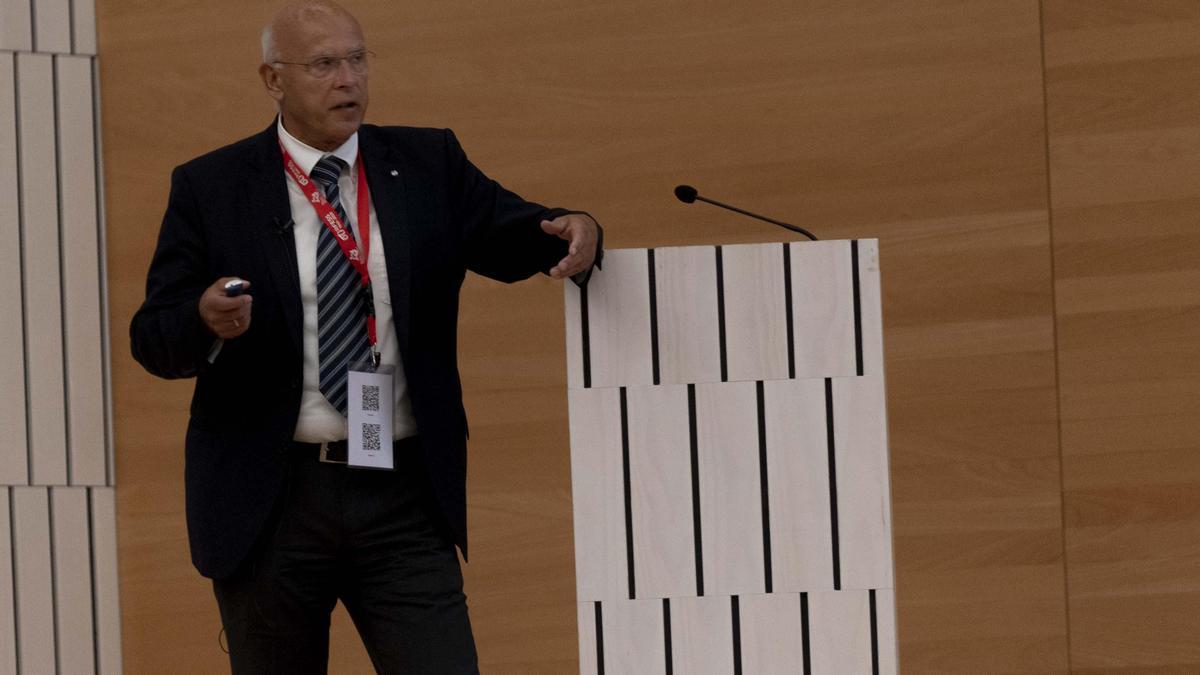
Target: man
277	519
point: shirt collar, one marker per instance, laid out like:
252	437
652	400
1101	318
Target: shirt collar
307	156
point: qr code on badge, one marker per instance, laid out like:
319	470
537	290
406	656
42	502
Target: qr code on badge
370	437
370	398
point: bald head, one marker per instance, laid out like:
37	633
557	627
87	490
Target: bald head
294	21
315	67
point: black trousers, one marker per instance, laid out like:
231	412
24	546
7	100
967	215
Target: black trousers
369	538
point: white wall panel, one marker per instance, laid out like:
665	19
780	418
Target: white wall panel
34	580
823	309
586	619
660	477
798	482
81	272
83	22
730	488
16	32
14	469
107	598
885	621
42	281
597	490
755	312
8	620
634	642
871	301
688	331
771	633
699	449
52	22
619	344
702	635
840	632
73	580
864	506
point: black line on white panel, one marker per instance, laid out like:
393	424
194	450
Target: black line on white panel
628	492
762	478
721	315
54	603
599	639
697	535
91	534
874	635
787	305
33	26
21	256
71	21
62	281
858	344
12	549
585	341
736	616
653	315
670	665
804	642
833	499
102	281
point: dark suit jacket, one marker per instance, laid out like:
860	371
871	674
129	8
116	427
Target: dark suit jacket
229	215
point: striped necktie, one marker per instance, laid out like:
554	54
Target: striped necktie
341	319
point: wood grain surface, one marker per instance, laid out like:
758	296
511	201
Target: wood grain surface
933	125
1123	83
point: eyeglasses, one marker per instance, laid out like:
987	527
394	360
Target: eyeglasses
325	66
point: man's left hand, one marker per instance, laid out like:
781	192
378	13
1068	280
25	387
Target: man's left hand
581	232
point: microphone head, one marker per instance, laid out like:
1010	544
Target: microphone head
686	193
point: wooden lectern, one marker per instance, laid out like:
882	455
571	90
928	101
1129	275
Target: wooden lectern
729	461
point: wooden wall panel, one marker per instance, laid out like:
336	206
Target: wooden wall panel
15	29
918	122
14	448
102	517
34	579
8	615
730	485
73	590
83	328
42	287
52	26
1123	101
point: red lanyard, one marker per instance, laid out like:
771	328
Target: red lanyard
328	215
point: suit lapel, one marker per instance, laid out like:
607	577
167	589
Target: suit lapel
385	175
270	216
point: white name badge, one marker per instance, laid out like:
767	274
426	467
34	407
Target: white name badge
369	414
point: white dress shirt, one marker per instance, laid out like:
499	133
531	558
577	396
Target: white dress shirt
319	421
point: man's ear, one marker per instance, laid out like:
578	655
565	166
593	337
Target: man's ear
270	78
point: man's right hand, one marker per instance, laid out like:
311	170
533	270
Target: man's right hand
226	317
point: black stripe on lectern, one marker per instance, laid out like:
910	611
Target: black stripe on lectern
858	345
874	636
599	640
787	306
653	315
804	646
762	478
667	635
695	452
721	315
586	340
736	613
628	492
833	500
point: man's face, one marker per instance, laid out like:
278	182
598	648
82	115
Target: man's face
322	111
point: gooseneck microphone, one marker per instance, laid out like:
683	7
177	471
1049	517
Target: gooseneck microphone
688	194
